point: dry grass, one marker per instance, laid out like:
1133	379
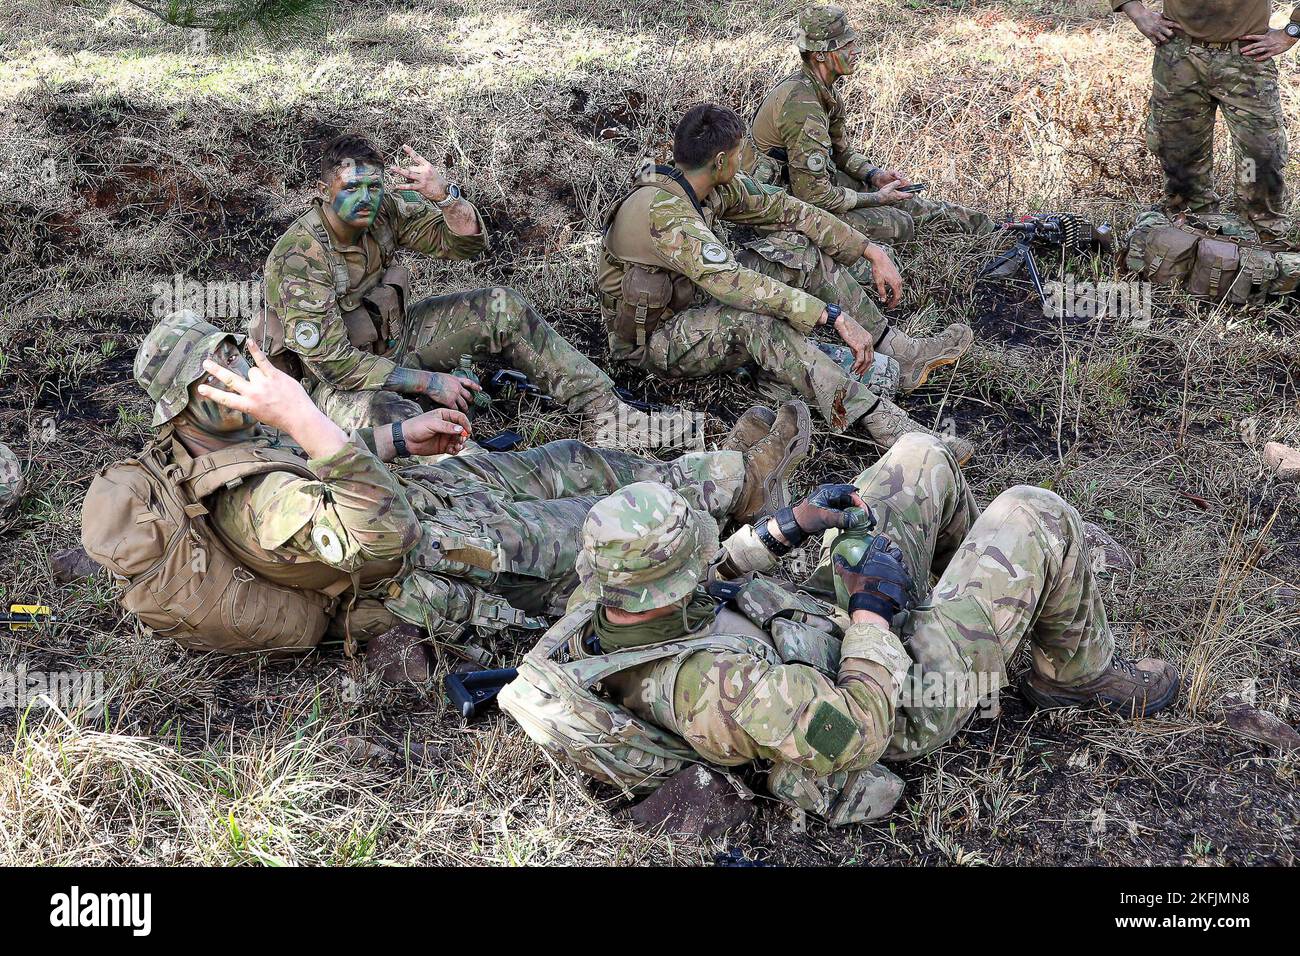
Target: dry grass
130	156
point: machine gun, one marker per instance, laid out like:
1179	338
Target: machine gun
1064	231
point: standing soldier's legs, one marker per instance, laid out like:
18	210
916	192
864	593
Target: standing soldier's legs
1247	93
1180	126
498	320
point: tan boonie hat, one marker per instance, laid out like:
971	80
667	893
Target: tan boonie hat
823	28
643	548
170	360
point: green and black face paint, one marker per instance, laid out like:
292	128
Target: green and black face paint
210	416
357	191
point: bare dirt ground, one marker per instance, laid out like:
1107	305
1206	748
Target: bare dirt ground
133	154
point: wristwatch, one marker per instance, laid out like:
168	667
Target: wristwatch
832	314
1292	30
453	193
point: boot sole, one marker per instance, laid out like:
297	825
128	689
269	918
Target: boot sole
776	492
925	373
1152	705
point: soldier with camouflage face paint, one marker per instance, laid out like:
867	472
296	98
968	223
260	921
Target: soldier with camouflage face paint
801	137
1218	56
676	301
11	483
820	693
488	540
336	298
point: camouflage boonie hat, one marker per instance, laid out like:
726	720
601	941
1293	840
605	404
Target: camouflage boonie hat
171	357
643	548
11	480
823	28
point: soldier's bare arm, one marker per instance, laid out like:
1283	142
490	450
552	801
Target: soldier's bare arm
1156	27
431	182
442	431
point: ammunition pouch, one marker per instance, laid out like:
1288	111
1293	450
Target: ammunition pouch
647	298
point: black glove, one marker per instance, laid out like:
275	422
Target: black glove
879	582
820	511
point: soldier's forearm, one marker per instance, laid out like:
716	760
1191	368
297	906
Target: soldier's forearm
408	381
462	218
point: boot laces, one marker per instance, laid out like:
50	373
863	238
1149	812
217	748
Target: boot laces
1124	666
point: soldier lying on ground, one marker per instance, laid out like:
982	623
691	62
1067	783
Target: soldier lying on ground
676	301
337	299
487	539
779	677
800	133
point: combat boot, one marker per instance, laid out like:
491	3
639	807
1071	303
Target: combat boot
749	430
769	463
887	423
1129	688
917	358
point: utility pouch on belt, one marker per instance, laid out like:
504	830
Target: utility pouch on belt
1167	255
645	300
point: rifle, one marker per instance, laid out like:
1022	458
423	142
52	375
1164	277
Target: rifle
1055	230
472	692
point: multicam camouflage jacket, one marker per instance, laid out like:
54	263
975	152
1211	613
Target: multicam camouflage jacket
320	295
658	225
777	676
800	133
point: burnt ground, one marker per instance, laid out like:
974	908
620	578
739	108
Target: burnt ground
1154	434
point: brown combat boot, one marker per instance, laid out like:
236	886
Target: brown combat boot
750	428
888	423
1129	688
769	463
917	358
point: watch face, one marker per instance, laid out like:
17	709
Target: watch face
1293	30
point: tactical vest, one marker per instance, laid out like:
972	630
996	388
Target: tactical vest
1202	260
372	313
556	699
144	519
636	293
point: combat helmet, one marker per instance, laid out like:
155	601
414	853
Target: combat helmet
644	547
171	357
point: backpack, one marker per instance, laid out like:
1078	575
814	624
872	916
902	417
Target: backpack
144	519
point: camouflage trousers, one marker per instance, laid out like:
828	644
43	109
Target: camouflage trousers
1020	571
526	510
1189	82
902	221
711	337
481	322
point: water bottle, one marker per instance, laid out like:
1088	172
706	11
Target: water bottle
466	371
851	544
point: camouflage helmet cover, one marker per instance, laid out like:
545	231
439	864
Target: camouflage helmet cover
644	547
11	479
823	28
170	360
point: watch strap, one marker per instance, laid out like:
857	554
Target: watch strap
399	441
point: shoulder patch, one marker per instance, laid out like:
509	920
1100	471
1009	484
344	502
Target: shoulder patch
713	252
307	334
816	162
830	731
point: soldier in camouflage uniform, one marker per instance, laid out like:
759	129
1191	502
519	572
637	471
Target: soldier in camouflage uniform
819	692
488	540
800	133
337	300
677	302
11	482
1218	56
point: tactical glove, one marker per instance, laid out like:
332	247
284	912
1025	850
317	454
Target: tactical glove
829	506
879	581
